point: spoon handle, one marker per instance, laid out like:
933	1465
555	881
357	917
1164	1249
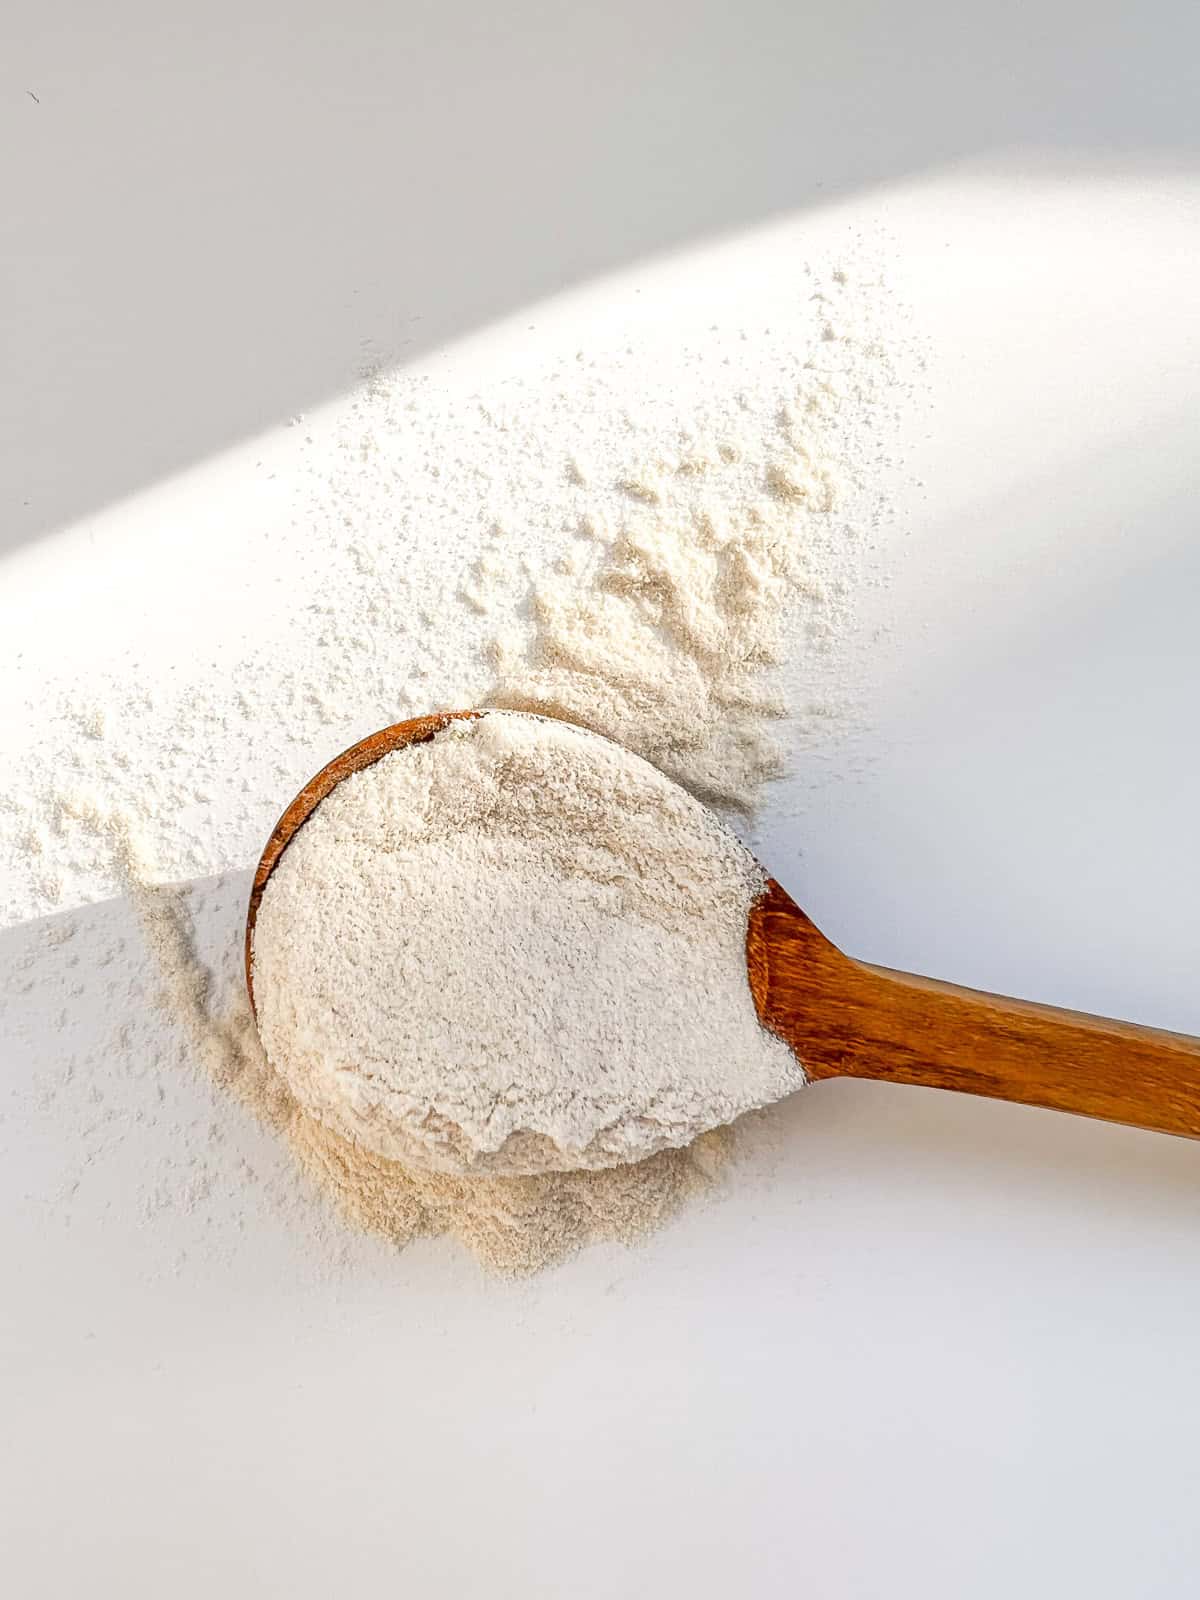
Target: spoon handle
846	1019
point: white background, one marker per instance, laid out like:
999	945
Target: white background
923	1346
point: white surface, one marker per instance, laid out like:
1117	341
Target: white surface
923	1346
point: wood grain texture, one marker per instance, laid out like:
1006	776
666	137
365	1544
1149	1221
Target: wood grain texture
846	1019
363	754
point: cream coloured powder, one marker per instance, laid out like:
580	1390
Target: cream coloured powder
669	647
637	537
516	948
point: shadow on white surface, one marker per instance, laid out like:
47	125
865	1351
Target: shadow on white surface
890	1277
115	1140
209	229
113	1136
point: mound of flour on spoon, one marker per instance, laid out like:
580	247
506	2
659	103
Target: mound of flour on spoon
514	948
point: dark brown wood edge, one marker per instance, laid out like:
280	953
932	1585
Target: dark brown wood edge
789	961
845	1018
363	754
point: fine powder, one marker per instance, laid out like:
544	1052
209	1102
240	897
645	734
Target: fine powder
515	948
664	634
660	537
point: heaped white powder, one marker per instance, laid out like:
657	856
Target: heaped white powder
514	948
660	534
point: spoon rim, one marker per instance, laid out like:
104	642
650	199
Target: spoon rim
399	736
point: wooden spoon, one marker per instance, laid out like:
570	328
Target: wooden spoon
844	1018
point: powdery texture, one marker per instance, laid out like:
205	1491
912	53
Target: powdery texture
666	637
513	1226
514	948
708	567
660	541
660	537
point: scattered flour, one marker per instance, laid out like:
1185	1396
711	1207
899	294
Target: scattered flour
514	948
660	539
